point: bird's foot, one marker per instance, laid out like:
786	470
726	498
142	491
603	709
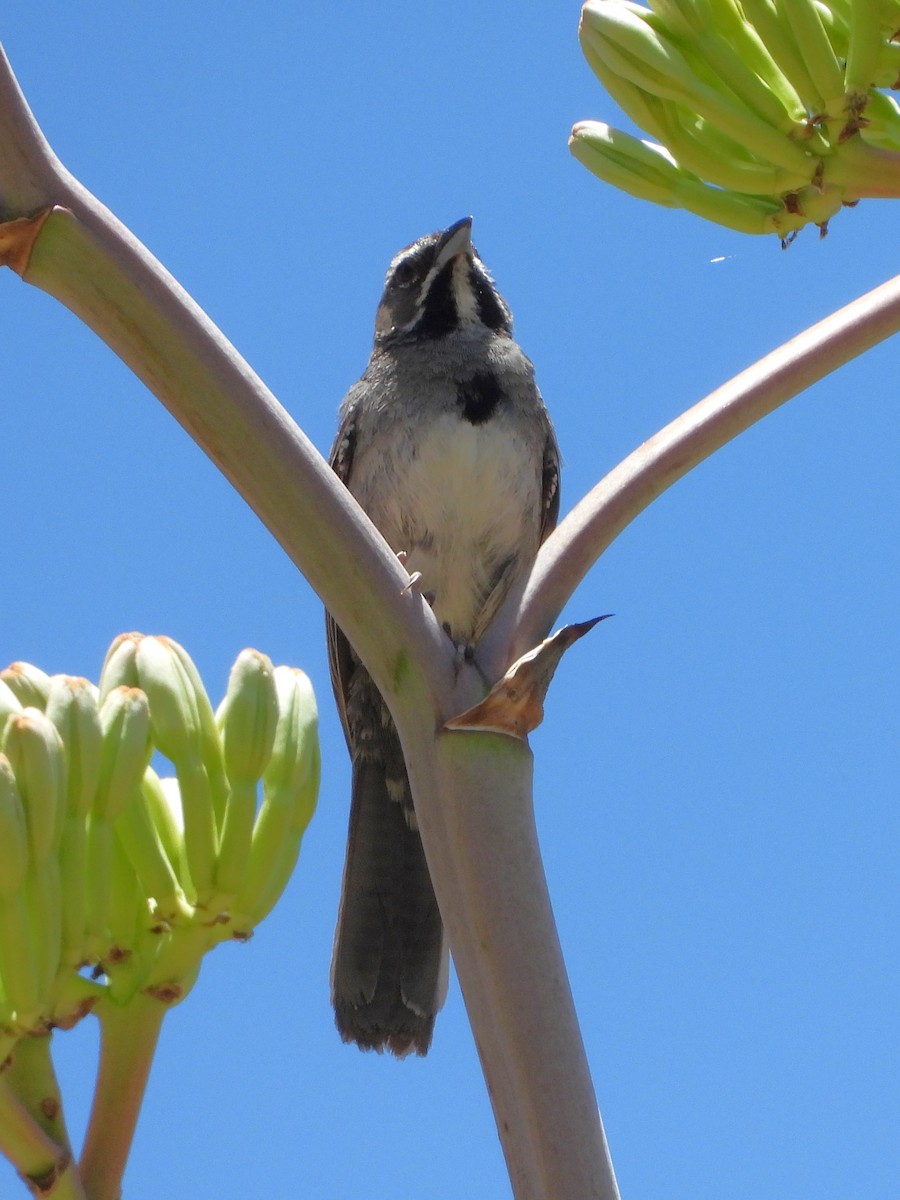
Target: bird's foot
465	650
415	578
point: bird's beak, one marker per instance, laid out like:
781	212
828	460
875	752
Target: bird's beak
454	241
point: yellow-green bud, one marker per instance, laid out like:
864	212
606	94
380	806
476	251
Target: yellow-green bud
291	784
9	704
119	667
29	684
13	833
35	751
72	707
164	805
180	714
210	743
247	720
174	707
248	716
125	721
295	754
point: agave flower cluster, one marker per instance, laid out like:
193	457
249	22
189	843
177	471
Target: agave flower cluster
105	865
767	114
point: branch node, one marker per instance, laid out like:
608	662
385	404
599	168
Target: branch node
17	240
515	704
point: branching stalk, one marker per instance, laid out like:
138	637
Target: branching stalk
484	784
42	1163
472	791
611	506
865	171
128	1037
32	1077
88	260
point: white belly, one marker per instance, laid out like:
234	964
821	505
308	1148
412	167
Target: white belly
466	507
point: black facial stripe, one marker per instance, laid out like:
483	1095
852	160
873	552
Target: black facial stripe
479	396
414	266
439	315
491	311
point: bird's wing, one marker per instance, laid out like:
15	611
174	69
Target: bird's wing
340	656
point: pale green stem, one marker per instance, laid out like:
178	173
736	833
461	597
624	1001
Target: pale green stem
45	1167
67	1186
32	1077
128	1037
864	171
512	971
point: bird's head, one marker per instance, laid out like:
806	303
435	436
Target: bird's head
437	286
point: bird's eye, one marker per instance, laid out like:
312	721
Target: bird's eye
404	274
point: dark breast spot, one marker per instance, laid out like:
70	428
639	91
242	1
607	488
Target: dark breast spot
479	396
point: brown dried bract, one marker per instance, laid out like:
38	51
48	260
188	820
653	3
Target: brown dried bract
515	705
44	1184
17	240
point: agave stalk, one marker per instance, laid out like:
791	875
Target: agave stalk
511	969
128	1038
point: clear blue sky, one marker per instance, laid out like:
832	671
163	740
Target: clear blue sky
717	776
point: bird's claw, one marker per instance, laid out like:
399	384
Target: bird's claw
413	580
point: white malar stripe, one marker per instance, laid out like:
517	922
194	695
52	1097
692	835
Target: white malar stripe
466	302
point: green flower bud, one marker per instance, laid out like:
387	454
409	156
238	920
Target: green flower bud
19	966
210	743
180	712
9	704
141	841
125	754
119	667
125	721
13	833
291	784
29	684
72	707
163	801
35	751
247	720
36	754
247	717
294	764
174	711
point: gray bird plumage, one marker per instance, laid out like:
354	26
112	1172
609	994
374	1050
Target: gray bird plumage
446	444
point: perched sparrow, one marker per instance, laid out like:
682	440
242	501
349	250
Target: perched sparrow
446	444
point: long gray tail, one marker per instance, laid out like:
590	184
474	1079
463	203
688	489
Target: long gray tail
389	970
